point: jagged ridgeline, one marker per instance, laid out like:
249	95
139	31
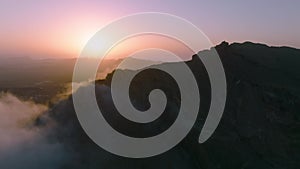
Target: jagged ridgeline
260	127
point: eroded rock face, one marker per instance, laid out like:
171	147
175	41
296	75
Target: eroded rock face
260	127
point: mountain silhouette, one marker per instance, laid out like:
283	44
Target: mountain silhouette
260	127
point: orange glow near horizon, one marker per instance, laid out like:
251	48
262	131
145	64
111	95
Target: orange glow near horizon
53	43
72	38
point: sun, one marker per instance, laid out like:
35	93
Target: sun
82	38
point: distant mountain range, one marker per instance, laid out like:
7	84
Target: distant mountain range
26	71
42	80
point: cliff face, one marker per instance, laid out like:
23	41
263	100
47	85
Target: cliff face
260	127
261	119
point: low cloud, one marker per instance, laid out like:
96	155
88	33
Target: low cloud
22	144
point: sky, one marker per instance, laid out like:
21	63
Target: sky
60	28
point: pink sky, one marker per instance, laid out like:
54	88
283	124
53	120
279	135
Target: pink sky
61	28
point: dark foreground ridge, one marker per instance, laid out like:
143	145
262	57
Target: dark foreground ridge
260	127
